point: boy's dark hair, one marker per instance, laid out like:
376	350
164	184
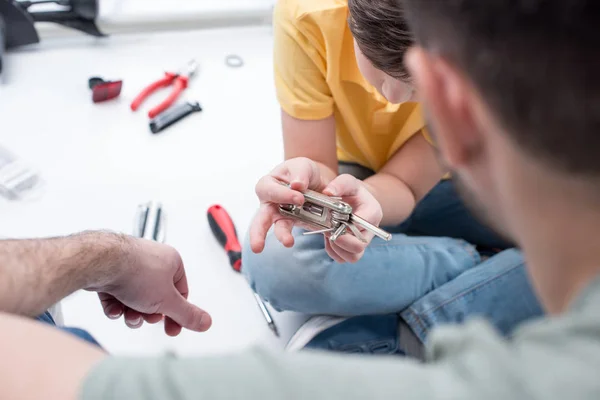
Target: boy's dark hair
535	62
379	28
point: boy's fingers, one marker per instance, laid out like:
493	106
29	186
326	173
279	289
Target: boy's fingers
370	212
343	185
283	232
301	173
269	190
346	255
351	243
334	256
260	226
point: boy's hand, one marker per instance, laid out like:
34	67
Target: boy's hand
302	173
348	248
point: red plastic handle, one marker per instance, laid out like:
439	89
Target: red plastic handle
224	230
178	87
148	90
106	91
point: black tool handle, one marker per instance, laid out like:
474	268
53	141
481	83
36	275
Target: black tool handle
2	40
172	115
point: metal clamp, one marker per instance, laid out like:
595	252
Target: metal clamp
330	216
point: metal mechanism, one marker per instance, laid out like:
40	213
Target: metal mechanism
149	222
330	216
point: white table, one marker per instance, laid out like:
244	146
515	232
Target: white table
100	161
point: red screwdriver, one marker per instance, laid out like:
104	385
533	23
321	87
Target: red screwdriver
224	230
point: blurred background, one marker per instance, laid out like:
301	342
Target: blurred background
75	156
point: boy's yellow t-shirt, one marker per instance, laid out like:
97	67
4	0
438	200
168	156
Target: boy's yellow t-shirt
316	75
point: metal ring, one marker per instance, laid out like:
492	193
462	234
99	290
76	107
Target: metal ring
234	61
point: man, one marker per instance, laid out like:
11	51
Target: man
502	81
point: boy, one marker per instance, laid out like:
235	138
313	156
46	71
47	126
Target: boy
339	107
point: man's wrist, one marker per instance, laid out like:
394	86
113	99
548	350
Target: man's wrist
41	272
108	253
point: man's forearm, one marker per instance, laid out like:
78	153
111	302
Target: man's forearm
395	197
37	273
39	362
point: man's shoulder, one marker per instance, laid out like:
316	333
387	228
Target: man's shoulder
301	11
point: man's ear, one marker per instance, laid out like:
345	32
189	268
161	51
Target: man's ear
445	97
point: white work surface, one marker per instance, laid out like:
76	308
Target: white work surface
100	161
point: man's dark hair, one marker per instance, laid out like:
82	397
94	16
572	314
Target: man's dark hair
379	28
536	64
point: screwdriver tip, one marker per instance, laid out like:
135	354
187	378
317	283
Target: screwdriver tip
274	329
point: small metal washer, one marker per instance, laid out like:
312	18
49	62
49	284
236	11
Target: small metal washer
234	61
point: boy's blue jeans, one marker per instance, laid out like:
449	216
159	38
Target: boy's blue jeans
80	333
431	280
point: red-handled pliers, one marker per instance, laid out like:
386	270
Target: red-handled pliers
179	80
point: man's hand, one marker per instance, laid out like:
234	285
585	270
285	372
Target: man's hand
348	248
135	277
301	173
148	282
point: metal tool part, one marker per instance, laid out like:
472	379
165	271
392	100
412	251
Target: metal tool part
224	231
149	222
330	215
266	314
375	230
234	61
172	115
18	180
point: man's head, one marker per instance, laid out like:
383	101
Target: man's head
381	39
511	87
513	94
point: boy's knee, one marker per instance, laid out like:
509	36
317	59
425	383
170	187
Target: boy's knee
288	278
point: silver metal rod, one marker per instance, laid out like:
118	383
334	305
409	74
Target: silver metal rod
322	231
339	231
371	228
266	314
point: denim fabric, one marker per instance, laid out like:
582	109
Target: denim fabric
435	280
390	277
497	289
80	333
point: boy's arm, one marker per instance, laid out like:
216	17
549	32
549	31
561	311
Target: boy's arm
302	90
314	140
405	179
